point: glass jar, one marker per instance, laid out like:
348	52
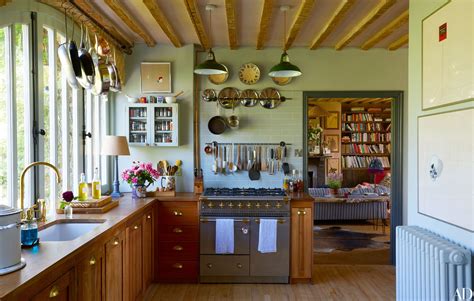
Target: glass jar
29	233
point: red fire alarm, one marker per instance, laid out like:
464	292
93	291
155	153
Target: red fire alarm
443	32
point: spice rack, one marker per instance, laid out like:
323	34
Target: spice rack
152	124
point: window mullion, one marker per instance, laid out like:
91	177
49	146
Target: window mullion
28	52
64	134
53	121
76	135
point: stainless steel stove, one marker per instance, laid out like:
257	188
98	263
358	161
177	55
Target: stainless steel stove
246	206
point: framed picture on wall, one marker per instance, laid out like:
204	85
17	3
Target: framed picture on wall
332	121
332	166
155	77
332	142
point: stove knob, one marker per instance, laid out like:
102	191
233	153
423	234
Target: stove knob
231	205
278	205
249	205
267	205
221	204
239	205
257	205
210	205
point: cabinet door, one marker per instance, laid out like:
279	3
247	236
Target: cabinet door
148	243
62	289
134	268
165	124
89	276
138	124
301	242
114	268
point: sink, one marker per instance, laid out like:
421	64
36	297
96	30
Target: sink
63	230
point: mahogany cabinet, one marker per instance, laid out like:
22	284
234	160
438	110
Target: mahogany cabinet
301	240
133	273
114	268
89	271
62	289
148	248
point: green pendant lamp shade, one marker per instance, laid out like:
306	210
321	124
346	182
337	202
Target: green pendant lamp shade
284	68
210	66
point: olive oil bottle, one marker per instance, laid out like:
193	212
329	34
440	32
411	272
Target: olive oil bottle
83	195
96	189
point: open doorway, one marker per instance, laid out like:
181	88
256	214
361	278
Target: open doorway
353	171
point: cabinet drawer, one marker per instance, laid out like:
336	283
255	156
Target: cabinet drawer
179	250
178	233
177	214
225	265
62	289
177	269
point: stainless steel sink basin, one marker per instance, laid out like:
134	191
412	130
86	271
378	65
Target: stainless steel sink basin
65	230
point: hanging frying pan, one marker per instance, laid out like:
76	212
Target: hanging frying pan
217	125
87	65
74	55
102	77
66	65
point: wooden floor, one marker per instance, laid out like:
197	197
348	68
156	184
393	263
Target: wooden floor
331	282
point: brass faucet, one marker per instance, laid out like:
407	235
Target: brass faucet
22	183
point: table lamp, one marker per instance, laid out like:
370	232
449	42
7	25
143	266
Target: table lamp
115	146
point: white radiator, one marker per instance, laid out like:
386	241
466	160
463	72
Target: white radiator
430	267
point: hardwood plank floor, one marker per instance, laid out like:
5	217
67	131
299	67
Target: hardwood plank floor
331	282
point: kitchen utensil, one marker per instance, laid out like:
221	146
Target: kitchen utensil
264	159
233	121
215	152
217	125
218	79
272	163
103	47
66	66
74	56
285	166
281	81
87	65
179	93
254	174
232	166
112	74
209	95
10	247
224	160
228	98
249	98
249	159
170	99
102	77
116	84
249	73
208	149
239	158
174	169
270	98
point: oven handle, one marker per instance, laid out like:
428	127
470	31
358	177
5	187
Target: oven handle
205	220
280	221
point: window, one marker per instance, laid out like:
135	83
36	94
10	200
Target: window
58	116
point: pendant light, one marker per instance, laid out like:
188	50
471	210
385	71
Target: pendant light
284	68
210	66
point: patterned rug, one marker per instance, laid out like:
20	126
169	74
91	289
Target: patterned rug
328	239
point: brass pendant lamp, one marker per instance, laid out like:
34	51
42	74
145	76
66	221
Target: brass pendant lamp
284	68
210	66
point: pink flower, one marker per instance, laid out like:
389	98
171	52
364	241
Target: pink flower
134	180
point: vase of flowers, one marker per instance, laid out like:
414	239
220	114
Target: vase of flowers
314	139
334	182
140	176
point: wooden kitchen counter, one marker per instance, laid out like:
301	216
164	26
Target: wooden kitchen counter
53	258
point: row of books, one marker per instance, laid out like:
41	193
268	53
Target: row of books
362	162
367	137
366	148
371	110
361	117
362	127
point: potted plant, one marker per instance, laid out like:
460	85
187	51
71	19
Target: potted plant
334	182
140	176
314	138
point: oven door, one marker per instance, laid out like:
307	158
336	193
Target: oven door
208	235
271	264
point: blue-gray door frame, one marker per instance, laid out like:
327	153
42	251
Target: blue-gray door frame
396	213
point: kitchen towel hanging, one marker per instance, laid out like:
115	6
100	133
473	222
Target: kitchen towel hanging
267	236
224	236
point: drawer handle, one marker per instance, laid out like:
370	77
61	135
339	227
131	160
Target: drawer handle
178	248
178	213
177	266
92	261
148	216
209	265
239	265
280	220
116	242
135	227
54	292
178	230
301	212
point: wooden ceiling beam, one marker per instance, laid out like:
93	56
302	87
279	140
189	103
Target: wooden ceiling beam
119	9
401	41
301	16
331	24
231	23
265	18
195	16
373	15
386	30
96	25
164	23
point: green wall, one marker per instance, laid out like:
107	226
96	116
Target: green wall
418	11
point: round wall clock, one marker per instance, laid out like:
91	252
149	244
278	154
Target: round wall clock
249	73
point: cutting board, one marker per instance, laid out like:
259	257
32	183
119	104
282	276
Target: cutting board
92	210
92	203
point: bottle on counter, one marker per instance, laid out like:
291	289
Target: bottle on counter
286	183
96	185
83	195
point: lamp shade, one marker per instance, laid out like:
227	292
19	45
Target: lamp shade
210	66
284	68
115	146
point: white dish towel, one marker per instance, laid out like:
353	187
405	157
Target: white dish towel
267	236
224	236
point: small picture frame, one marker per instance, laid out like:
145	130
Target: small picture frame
332	166
332	121
332	142
155	77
